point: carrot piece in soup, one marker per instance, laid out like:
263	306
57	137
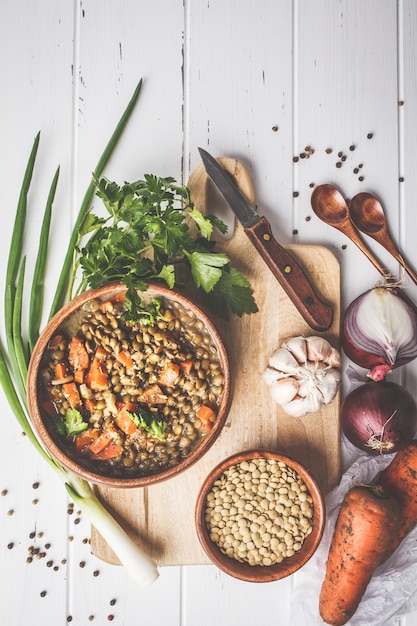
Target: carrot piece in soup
101	442
186	366
109	452
70	391
153	395
169	374
61	371
84	440
97	377
101	353
79	376
125	422
78	356
124	358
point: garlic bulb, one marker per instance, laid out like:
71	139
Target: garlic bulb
303	374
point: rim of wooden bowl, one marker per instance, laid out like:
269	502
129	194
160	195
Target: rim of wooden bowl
261	573
106	292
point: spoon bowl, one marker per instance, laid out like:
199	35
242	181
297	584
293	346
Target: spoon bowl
331	207
369	217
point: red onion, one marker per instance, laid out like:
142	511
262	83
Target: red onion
379	417
379	331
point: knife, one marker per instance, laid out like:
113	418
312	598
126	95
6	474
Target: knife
286	270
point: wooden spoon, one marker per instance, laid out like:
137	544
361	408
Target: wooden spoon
368	216
331	207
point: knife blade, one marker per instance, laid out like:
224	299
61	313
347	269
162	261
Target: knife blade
291	277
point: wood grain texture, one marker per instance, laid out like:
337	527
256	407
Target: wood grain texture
161	518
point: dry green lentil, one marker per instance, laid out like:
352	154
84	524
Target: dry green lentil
259	530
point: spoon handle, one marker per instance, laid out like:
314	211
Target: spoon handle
351	232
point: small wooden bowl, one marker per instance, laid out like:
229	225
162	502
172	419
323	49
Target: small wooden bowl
39	419
260	573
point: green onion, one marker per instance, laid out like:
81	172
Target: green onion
36	299
13	371
62	288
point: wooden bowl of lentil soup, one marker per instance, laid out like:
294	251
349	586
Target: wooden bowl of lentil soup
259	516
129	404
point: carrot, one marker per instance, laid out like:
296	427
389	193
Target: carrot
101	442
97	378
399	479
124	358
205	413
109	452
186	366
124	421
70	391
61	371
84	440
78	356
101	353
79	376
153	395
169	374
361	541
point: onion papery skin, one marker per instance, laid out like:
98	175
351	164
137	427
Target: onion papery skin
379	331
379	417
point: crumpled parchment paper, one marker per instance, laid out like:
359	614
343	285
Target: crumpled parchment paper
392	591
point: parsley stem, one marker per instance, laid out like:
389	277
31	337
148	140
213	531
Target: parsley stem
64	279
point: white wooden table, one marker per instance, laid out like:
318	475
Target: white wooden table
255	80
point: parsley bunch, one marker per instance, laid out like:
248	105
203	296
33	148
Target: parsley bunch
148	235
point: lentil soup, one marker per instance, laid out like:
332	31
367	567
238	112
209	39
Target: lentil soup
128	400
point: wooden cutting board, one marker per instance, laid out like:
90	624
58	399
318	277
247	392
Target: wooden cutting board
161	518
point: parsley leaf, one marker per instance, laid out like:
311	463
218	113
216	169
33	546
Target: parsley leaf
153	427
146	236
73	424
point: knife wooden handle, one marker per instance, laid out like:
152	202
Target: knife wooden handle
290	276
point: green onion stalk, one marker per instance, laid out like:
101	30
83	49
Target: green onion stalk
14	359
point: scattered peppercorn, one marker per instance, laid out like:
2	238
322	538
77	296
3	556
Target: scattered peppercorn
42	594
308	218
344	246
339	164
295	159
82	564
369	135
35	485
295	194
295	232
401	179
49	564
96	573
10	545
274	129
110	618
69	618
351	148
361	178
112	601
328	150
400	103
10	512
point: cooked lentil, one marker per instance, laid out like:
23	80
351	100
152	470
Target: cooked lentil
177	340
259	512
